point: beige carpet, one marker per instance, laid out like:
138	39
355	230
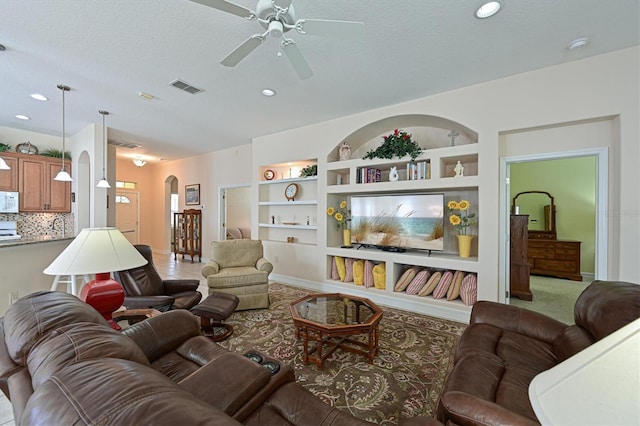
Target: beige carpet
405	379
553	297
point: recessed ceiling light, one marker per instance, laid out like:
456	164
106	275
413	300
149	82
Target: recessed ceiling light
39	97
488	9
268	92
578	43
22	117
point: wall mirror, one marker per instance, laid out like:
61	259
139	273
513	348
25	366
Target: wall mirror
541	209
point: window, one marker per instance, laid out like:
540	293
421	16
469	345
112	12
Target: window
126	185
123	199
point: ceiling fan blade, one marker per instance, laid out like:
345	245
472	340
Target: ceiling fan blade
298	62
225	6
240	52
324	27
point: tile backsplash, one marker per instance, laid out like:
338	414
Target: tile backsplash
39	224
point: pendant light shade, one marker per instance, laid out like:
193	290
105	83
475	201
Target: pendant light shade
4	165
104	183
62	175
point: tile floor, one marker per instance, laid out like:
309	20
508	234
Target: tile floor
168	267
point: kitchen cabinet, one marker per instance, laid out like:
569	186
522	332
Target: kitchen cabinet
38	191
9	178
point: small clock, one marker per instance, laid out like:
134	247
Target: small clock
291	191
269	174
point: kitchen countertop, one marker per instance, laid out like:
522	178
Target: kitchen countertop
34	240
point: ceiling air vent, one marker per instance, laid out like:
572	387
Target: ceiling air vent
179	84
124	144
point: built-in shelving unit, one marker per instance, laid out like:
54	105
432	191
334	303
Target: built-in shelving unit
343	179
283	220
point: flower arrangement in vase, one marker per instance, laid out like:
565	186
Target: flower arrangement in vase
342	216
461	219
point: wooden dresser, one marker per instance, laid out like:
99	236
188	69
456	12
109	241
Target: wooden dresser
518	258
555	258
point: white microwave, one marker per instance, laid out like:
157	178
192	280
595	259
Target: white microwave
9	202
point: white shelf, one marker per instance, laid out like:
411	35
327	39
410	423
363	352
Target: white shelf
277	181
289	203
463	182
283	226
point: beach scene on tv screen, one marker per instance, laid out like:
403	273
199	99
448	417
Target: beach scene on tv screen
405	221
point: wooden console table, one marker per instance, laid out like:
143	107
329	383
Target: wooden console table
555	258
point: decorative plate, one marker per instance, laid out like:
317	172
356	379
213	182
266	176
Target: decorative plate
26	148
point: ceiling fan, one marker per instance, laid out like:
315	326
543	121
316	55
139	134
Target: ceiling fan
278	17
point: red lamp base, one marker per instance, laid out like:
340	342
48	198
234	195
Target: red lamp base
105	295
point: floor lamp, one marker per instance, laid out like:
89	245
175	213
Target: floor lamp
99	251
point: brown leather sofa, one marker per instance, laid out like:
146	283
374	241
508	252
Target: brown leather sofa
60	363
505	347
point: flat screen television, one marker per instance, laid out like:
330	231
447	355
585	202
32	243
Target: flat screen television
398	222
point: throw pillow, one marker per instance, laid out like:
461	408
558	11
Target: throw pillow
418	281
358	272
380	276
342	269
443	286
348	265
405	279
334	269
469	290
431	284
368	273
454	288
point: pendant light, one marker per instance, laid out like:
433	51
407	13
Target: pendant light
62	175
103	182
4	165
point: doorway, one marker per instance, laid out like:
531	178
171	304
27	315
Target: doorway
127	212
235	212
577	178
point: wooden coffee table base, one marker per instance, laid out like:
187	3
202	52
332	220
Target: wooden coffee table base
327	343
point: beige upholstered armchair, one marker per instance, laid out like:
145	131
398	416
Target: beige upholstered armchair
238	267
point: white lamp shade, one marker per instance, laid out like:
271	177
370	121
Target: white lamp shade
4	165
96	250
63	176
103	183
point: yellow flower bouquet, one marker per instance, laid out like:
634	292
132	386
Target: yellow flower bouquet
460	217
341	214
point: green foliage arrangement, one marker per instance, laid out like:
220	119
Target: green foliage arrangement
311	170
4	147
56	153
397	144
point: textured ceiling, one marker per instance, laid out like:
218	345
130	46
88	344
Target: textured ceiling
109	50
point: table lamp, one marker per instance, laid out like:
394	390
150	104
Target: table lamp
99	251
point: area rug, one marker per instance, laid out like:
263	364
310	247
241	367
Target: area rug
405	380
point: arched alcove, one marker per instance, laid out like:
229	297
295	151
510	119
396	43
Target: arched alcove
428	130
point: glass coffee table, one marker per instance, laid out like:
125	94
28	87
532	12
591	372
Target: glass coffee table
333	321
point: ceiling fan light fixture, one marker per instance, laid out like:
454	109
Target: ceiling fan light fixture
268	92
488	9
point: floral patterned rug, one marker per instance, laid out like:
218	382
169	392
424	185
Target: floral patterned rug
405	380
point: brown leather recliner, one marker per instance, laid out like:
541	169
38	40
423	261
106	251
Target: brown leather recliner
64	365
145	288
505	347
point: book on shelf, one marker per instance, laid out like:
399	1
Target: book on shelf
369	175
419	170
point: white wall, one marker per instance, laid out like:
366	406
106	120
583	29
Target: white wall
593	88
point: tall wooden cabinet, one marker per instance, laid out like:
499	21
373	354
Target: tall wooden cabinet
519	267
9	178
187	234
